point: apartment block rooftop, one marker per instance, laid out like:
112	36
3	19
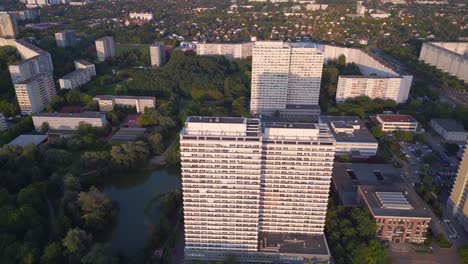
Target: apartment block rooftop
84	62
209	119
392	201
347	176
74	73
71	115
111	97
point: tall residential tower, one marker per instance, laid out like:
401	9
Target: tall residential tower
457	201
8	26
157	54
105	48
258	191
286	78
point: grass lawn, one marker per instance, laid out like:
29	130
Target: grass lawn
144	49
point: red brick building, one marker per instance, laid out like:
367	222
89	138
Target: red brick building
398	216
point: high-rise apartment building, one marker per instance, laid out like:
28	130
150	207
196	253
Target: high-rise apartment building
105	48
83	74
286	78
8	26
35	93
255	190
457	201
32	77
158	54
65	39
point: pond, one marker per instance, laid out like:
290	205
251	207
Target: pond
134	194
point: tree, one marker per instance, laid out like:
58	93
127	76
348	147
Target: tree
149	118
239	106
463	253
377	131
404	136
97	209
155	143
76	241
429	159
100	254
451	148
52	254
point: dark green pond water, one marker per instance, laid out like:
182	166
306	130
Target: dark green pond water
137	196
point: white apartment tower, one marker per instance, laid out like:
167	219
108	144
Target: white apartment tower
35	93
250	188
285	77
157	54
8	25
105	48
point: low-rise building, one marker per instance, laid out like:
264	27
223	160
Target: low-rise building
3	124
24	140
347	177
449	129
83	74
352	136
107	102
390	122
68	121
398	215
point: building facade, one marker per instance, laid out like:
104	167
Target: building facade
105	48
32	76
449	129
250	188
398	219
65	39
158	54
141	16
457	202
352	136
35	94
68	121
285	77
374	87
380	79
450	57
3	123
8	25
108	102
84	73
390	123
229	50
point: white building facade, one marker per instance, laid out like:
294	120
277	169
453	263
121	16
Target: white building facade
379	76
68	121
158	54
229	50
243	180
108	102
450	57
105	48
83	74
285	76
35	94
